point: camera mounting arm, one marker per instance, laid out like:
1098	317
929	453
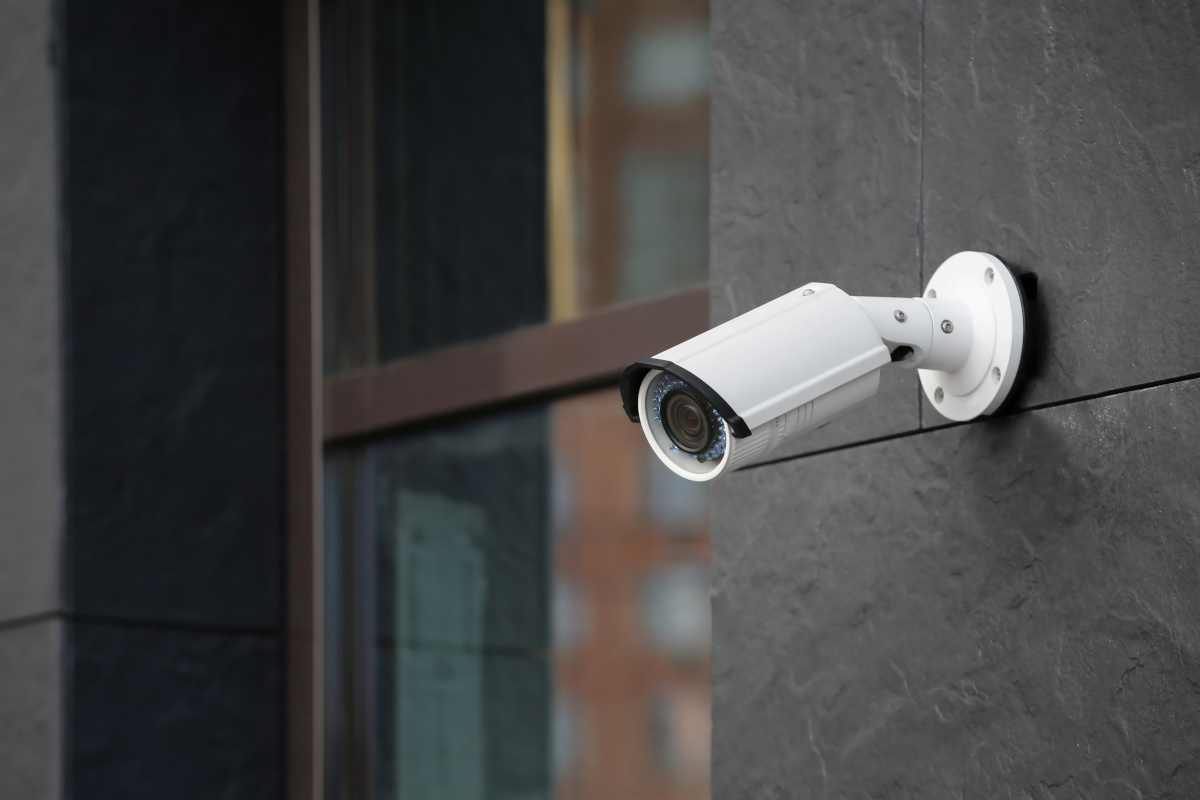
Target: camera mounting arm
965	336
931	334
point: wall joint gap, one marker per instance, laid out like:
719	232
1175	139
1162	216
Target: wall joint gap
1015	413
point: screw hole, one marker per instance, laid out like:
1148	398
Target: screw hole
806	292
938	394
989	276
931	294
995	374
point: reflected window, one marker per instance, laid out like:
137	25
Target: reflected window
569	621
664	208
676	613
667	66
676	505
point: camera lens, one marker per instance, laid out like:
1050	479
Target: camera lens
686	422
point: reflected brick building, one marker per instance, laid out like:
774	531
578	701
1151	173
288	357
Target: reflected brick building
631	612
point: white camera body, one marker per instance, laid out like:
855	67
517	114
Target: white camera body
728	397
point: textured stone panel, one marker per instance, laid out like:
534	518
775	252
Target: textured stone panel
30	436
31	711
1002	609
1064	136
172	197
183	714
814	157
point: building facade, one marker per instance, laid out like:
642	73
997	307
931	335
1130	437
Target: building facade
315	482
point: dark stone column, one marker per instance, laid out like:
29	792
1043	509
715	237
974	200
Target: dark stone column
171	117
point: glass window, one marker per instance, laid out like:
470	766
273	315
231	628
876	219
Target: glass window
489	166
538	630
628	150
463	633
635	682
435	174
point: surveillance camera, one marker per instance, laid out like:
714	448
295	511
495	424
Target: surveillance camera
728	397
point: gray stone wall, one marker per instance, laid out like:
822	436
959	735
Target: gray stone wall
31	484
904	608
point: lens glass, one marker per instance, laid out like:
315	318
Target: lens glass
686	421
687	418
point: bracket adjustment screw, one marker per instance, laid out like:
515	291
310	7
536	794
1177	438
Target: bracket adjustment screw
947	326
901	316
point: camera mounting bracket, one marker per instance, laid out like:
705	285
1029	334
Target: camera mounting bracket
992	294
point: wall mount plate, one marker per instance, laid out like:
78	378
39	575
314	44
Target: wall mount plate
990	291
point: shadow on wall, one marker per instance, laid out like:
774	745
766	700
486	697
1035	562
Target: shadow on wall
1037	335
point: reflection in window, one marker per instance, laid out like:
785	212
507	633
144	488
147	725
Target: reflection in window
487	649
513	604
667	66
628	105
463	613
678	506
489	166
676	614
567	734
569	619
637	679
681	716
664	210
434	137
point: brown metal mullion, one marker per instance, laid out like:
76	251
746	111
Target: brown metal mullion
360	601
523	366
356	202
303	398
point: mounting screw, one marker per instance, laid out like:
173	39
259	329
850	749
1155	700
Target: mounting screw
947	326
938	394
807	292
901	316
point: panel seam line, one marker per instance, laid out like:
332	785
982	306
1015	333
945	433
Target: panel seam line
130	622
1015	413
921	182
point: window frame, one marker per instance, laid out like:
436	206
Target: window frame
523	367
